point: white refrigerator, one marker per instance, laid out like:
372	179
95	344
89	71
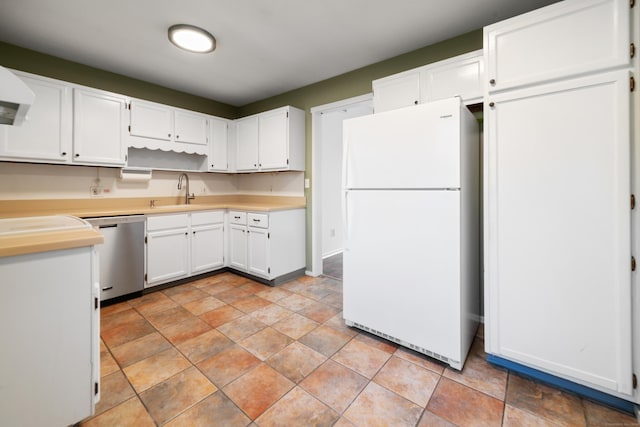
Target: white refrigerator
411	221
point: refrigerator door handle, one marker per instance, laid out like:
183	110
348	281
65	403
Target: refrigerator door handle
345	219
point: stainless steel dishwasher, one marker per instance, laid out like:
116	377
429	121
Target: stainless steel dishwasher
121	256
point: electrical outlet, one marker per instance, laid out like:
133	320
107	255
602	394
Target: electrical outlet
95	191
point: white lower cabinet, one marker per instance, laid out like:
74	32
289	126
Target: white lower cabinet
50	328
181	245
207	241
267	245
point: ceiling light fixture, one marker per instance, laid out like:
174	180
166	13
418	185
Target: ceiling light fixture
191	38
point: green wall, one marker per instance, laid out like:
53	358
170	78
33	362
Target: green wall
18	58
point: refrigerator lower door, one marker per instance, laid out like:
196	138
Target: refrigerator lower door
402	268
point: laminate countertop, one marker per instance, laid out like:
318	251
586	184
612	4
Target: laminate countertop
33	242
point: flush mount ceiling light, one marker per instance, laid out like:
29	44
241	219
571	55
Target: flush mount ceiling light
191	38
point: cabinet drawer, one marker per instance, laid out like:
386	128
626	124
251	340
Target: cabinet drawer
207	217
258	220
236	217
165	222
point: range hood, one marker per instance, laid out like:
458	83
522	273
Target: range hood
15	98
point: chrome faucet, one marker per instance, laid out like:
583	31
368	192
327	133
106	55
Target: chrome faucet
187	197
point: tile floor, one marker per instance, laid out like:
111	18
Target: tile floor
227	351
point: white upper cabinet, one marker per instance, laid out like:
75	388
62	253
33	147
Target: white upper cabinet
270	141
218	144
190	127
247	144
157	126
46	134
461	76
534	47
396	91
99	128
151	120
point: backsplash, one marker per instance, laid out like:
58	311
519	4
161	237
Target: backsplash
23	181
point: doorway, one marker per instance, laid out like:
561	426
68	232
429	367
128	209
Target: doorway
326	218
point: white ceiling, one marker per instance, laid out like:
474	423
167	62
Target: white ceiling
264	47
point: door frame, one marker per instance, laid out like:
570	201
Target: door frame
316	175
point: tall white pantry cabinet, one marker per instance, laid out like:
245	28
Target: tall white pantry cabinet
561	160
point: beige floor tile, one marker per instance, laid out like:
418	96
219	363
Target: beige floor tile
334	385
325	340
216	410
377	406
362	358
295	325
141	348
544	401
271	314
155	369
258	389
177	394
296	361
130	413
220	316
295	302
171	316
465	406
204	345
319	312
298	408
420	359
114	389
183	331
228	365
203	305
126	332
265	343
241	328
410	381
477	373
600	416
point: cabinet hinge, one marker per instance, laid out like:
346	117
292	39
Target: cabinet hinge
129	128
633	202
268	235
634	381
145	239
632	3
96	303
269	270
287	161
633	263
632	50
632	84
287	114
96	388
145	277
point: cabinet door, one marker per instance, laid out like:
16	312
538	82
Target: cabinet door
247	143
190	127
99	126
273	149
397	91
46	134
460	76
207	248
151	120
167	255
218	160
258	251
238	246
557	229
562	40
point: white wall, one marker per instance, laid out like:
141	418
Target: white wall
21	181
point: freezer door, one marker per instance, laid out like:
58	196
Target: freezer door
413	147
403	279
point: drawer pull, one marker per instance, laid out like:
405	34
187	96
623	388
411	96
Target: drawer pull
108	288
256	220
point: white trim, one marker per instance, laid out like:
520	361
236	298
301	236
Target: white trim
332	253
316	202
